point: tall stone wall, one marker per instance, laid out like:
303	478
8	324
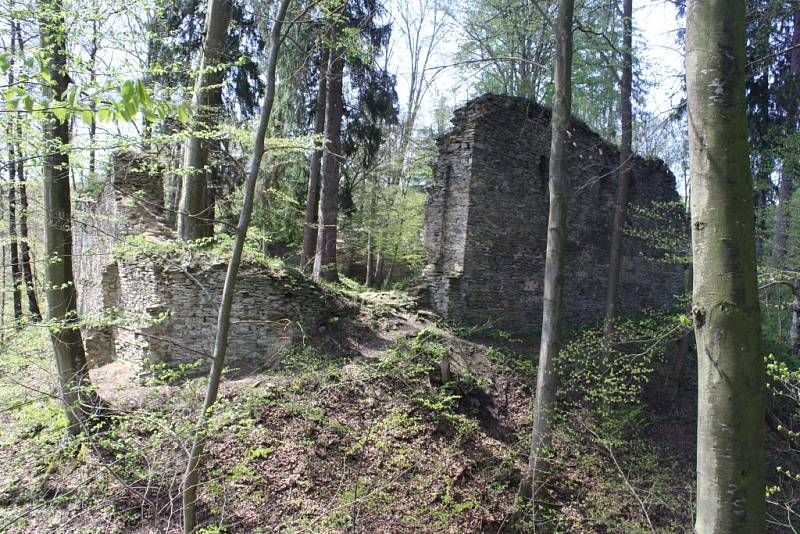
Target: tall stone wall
163	305
486	220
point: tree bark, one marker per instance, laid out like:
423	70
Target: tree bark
61	294
310	228
790	169
16	276
785	191
191	474
16	273
794	331
547	379
370	273
22	192
325	259
24	246
625	167
193	218
730	425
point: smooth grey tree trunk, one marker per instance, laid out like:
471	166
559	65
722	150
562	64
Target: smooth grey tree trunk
625	168
730	424
193	217
61	294
547	379
325	259
191	475
310	228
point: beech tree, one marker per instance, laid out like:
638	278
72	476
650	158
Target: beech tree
61	294
730	426
547	379
194	220
191	475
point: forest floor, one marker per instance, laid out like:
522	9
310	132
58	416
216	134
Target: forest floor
356	432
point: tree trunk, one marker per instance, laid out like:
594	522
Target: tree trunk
785	190
22	192
24	246
547	379
730	425
173	199
376	281
312	198
16	276
16	273
790	168
679	361
370	273
794	331
325	259
92	78
193	219
61	294
191	475
761	208
625	168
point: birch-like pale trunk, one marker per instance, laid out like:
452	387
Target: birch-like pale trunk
60	286
191	475
730	423
625	168
193	215
547	379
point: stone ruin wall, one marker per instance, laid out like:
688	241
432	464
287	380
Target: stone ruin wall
486	220
272	308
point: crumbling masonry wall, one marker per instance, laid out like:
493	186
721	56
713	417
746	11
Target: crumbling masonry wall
486	220
162	306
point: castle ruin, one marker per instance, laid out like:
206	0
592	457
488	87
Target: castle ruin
144	304
486	220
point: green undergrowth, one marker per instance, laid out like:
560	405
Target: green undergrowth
348	443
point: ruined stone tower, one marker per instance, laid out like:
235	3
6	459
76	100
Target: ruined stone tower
486	220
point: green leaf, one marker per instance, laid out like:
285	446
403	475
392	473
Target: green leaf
105	114
60	113
86	115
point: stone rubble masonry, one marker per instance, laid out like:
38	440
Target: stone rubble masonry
486	221
165	307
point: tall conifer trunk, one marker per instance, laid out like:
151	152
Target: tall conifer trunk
625	167
730	424
312	197
325	259
193	216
